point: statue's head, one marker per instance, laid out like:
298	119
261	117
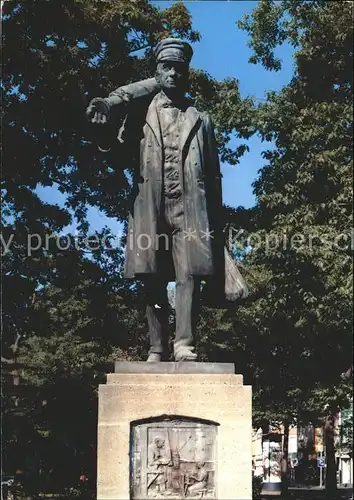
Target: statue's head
172	65
160	443
200	464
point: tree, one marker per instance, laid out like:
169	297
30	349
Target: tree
304	207
56	58
64	301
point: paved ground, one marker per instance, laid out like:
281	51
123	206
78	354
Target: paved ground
299	493
312	493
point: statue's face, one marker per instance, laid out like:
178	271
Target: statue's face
160	443
172	76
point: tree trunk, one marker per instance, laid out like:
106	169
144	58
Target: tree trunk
284	461
331	476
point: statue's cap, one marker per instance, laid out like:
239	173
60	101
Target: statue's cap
173	49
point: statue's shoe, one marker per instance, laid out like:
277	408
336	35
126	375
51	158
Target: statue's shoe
185	353
154	357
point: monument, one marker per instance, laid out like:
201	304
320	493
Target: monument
183	429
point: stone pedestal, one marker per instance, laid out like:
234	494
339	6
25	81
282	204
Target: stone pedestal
174	430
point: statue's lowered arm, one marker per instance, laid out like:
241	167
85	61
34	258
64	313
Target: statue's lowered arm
114	109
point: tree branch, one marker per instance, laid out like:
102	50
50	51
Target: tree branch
8	361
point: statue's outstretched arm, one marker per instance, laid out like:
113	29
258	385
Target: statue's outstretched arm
133	91
100	109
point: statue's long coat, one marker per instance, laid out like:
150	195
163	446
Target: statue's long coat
201	188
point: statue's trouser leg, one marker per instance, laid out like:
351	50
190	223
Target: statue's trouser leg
187	286
157	310
187	301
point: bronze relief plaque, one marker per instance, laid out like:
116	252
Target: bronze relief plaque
173	458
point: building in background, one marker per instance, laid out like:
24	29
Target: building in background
344	447
306	446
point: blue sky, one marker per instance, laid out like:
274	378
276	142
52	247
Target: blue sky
222	52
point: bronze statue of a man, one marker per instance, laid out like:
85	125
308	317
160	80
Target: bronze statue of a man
175	217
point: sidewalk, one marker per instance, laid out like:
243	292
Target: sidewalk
311	493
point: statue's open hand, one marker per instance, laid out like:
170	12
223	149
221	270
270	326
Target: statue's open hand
98	111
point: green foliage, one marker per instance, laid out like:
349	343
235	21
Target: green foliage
57	56
303	216
346	431
70	310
